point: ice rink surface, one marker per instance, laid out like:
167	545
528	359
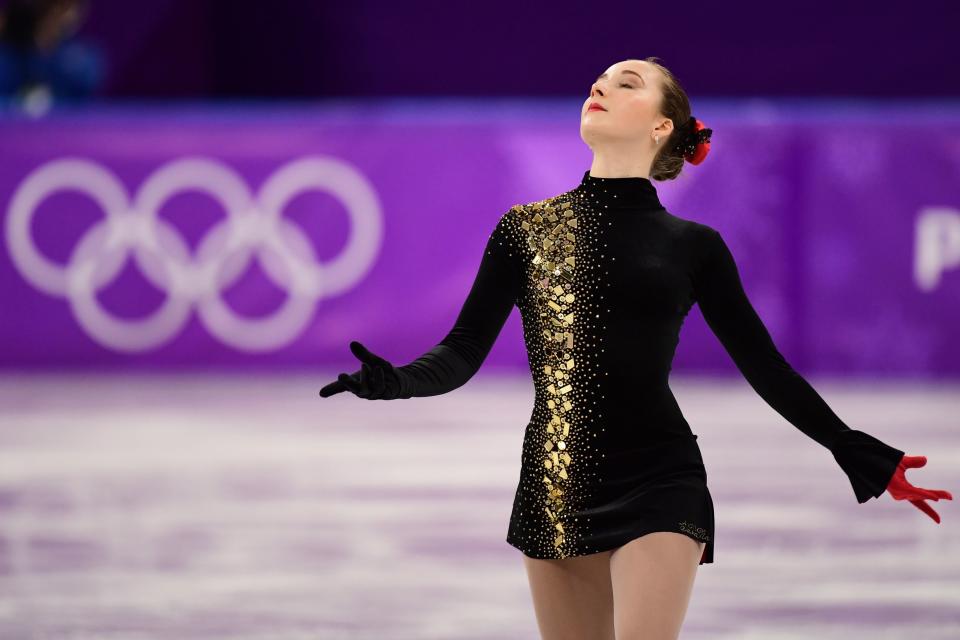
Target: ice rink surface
201	506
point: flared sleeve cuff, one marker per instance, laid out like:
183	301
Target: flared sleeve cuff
868	462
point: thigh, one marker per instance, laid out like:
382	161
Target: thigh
652	578
572	597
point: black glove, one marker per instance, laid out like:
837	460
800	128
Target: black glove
377	379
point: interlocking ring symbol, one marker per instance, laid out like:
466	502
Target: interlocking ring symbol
252	227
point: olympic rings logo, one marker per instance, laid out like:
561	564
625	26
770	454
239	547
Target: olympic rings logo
253	227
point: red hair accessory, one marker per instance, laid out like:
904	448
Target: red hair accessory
695	145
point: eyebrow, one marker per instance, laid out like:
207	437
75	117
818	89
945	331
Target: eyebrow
603	75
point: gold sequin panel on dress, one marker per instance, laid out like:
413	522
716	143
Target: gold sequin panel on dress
550	231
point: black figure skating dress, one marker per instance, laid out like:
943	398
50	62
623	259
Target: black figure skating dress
604	276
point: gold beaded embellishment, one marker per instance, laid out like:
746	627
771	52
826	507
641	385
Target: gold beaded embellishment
551	237
557	240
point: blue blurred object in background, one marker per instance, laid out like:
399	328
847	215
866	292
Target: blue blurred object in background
42	61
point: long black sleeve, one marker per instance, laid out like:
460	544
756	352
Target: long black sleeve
868	462
456	358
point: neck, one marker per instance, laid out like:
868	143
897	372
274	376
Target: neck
621	158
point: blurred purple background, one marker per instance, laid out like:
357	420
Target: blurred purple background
846	244
226	48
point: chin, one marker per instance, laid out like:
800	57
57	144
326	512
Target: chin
592	131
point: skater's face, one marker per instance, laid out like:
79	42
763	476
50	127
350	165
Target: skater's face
630	93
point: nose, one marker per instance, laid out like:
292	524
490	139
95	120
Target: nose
594	90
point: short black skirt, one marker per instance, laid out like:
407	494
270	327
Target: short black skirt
657	485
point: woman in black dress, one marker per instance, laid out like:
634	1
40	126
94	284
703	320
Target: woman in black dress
612	510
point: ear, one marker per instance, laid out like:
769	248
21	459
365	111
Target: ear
664	128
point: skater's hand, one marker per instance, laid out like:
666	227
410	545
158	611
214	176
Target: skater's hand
901	489
376	380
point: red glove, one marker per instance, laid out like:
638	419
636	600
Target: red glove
901	489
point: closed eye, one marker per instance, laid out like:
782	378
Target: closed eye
624	84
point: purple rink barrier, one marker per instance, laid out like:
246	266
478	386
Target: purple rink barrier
148	237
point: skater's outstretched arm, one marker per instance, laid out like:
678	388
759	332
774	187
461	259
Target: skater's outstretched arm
458	356
868	462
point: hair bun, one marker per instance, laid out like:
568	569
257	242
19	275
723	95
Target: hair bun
695	144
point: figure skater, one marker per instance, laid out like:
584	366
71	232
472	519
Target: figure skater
612	512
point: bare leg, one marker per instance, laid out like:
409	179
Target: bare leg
572	597
652	578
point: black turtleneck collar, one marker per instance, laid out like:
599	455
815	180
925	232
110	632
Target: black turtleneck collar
633	193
